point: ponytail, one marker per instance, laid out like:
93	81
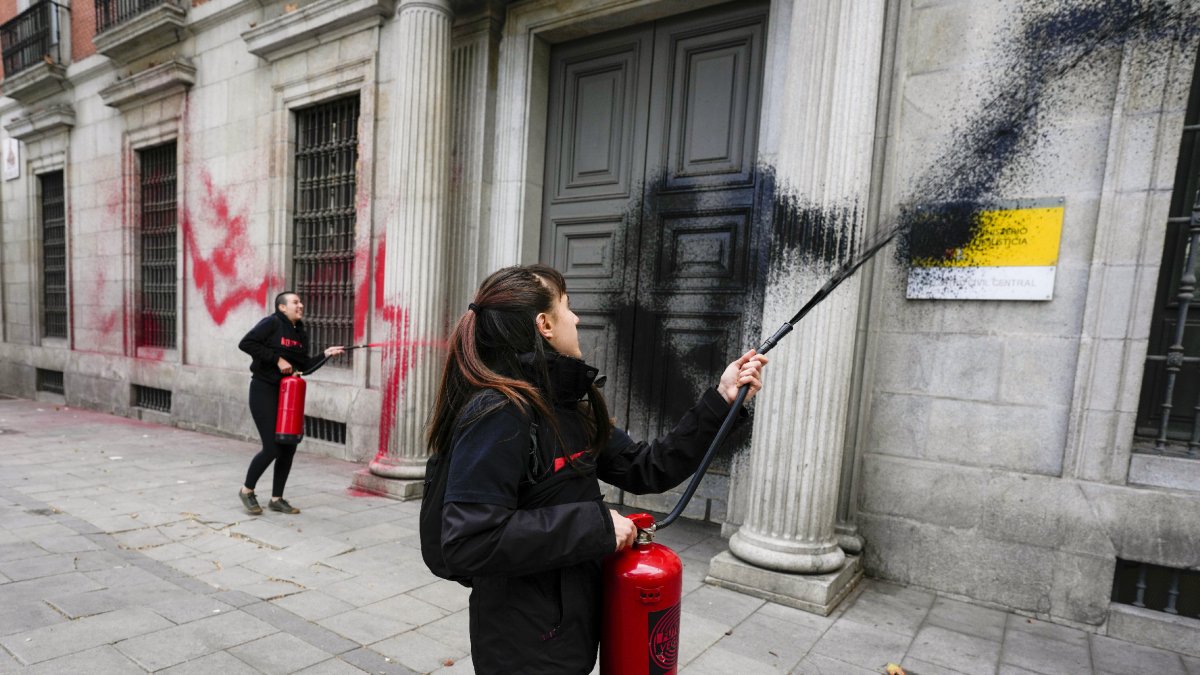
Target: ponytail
484	346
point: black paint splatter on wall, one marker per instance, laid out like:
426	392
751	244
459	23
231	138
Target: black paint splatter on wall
817	234
1049	46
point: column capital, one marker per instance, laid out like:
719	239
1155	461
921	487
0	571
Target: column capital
436	5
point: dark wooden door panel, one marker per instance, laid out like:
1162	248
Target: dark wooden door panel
649	208
713	106
697	272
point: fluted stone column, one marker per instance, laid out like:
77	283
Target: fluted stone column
787	550
415	277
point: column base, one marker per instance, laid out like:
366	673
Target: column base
387	487
404	468
816	593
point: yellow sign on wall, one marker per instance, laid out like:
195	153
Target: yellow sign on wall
1013	256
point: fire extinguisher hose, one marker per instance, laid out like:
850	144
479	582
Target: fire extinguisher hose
843	273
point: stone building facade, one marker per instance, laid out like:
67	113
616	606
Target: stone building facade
697	170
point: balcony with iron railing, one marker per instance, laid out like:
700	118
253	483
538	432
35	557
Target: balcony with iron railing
34	48
127	30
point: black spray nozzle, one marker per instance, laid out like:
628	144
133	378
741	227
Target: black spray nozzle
774	339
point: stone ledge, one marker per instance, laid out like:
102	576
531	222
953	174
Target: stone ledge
36	82
816	593
319	23
147	32
51	119
1164	471
151	84
1157	629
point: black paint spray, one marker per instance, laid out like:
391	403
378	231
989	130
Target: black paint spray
1048	47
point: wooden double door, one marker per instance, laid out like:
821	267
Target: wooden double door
651	203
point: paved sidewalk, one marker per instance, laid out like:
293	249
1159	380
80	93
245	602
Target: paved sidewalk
123	549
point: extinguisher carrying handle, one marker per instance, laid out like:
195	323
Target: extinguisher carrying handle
722	433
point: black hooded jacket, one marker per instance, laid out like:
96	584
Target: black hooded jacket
532	540
274	337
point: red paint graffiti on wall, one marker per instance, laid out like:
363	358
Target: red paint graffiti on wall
400	353
362	294
219	277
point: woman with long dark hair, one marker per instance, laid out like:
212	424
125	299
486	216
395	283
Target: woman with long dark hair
528	436
279	346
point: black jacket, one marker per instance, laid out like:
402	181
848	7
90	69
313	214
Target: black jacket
276	337
532	541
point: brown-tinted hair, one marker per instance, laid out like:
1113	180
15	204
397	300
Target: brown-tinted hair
485	346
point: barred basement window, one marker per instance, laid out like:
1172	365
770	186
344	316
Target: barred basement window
156	307
151	398
50	380
54	255
325	430
1163	589
323	253
1168	420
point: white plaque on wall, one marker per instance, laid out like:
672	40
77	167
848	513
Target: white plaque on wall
1013	255
12	159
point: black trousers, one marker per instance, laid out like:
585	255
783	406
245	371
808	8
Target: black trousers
264	406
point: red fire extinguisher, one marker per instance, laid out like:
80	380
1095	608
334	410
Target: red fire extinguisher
642	589
289	421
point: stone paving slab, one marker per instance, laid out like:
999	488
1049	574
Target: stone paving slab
147	563
279	654
98	661
172	646
956	651
42	644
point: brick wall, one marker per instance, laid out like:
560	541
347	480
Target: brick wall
83	27
8	9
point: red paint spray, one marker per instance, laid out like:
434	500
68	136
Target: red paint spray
221	269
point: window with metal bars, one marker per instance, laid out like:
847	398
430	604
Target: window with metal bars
1163	589
324	218
151	398
50	380
1168	420
110	13
54	255
32	37
156	307
325	430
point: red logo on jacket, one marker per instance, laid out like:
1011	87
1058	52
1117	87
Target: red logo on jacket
289	343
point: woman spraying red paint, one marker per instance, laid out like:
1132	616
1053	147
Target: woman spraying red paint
279	346
523	521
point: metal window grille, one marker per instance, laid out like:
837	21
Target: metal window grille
151	398
31	37
110	13
323	252
1168	419
50	380
1163	589
325	430
156	311
54	255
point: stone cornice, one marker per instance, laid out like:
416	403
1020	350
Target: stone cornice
57	118
149	31
151	84
318	23
215	12
36	82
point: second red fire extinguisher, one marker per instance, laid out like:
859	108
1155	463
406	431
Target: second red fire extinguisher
289	421
642	589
